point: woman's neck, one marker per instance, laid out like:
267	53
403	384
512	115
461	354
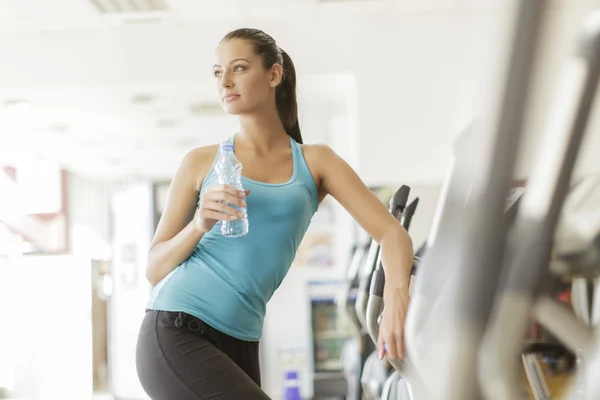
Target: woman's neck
263	131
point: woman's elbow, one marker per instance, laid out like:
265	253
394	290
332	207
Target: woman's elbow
151	275
405	236
398	235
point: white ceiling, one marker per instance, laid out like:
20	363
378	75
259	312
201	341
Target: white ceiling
40	15
108	94
130	93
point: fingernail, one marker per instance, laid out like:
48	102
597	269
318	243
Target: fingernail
244	204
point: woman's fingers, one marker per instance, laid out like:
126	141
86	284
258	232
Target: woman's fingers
227	189
400	350
219	208
390	346
215	215
228	195
381	346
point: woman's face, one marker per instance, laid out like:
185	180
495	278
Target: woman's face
243	84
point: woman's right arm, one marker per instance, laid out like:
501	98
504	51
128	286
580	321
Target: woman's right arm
183	222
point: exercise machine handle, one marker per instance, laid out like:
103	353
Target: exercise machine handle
375	303
409	211
397	206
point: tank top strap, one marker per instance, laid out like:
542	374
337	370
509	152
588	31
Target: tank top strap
296	155
299	161
303	172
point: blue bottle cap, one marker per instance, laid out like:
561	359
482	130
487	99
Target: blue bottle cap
291	375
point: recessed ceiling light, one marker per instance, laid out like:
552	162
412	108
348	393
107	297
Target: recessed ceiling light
203	108
166	123
58	129
17	104
90	142
142	98
114	161
186	142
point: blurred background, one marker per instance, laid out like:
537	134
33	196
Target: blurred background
101	99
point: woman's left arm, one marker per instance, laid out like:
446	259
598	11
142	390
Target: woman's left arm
338	179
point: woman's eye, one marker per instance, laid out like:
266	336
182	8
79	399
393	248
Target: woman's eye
238	68
216	74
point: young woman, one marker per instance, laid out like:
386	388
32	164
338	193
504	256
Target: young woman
199	338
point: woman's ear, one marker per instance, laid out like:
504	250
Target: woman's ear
276	75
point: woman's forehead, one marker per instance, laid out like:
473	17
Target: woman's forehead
233	49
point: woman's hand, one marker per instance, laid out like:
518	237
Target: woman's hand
391	328
212	206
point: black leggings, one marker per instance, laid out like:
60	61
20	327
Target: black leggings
180	357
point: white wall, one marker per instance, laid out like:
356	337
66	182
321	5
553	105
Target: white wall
562	31
92	236
410	99
88	209
439	81
53	359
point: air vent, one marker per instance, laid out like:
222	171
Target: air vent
129	6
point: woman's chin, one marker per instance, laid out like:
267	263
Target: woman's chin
241	108
232	109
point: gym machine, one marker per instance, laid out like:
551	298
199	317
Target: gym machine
376	379
529	256
480	282
366	375
481	279
396	386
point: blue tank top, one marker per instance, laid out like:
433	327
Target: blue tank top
227	282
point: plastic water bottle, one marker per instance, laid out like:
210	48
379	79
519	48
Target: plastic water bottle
292	386
229	172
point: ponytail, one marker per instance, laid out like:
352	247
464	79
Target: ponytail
285	99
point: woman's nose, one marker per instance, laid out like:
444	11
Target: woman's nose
226	81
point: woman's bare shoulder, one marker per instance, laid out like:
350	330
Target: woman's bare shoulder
316	153
197	163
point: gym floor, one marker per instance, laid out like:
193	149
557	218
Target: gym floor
557	384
